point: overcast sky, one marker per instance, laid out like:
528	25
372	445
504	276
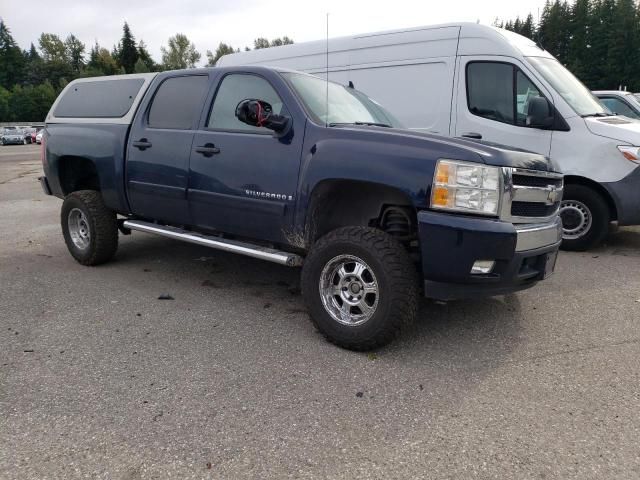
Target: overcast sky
238	22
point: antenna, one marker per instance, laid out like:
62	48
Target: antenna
326	117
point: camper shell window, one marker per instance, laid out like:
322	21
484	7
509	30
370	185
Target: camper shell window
99	99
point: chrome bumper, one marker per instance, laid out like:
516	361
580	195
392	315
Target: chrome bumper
532	236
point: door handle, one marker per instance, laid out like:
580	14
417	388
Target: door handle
473	135
208	150
141	144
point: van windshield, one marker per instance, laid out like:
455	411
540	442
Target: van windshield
569	87
346	105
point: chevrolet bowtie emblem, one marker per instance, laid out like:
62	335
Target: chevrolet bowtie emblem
554	195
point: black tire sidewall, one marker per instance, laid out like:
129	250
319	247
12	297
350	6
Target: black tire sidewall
69	204
385	322
600	217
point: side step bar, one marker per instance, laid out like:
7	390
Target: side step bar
234	246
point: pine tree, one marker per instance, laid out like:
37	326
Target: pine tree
11	59
145	56
127	51
75	52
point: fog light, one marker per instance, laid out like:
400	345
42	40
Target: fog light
482	266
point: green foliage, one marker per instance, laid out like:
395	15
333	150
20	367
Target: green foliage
181	53
11	58
598	40
223	49
127	51
262	42
31	79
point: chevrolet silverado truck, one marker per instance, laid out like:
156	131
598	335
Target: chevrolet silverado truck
286	167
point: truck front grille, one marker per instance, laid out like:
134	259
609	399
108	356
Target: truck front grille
533	209
530	196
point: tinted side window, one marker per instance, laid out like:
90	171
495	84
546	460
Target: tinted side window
490	91
619	107
99	99
525	91
233	90
178	102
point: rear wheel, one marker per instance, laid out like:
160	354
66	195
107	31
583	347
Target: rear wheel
90	229
585	218
360	287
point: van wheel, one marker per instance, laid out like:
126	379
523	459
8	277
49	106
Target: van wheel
585	218
90	229
360	287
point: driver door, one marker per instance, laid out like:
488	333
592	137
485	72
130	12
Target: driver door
242	179
492	103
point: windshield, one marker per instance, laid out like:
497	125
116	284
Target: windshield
569	87
346	105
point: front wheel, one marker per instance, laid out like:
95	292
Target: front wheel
90	229
360	287
585	218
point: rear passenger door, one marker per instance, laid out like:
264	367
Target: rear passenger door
492	103
159	148
243	179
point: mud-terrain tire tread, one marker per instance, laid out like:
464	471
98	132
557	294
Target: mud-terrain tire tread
103	228
373	246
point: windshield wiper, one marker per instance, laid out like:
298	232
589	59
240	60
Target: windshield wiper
369	124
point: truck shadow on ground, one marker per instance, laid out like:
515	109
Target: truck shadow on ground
458	331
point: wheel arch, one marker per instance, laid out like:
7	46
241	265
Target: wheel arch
336	203
598	188
77	173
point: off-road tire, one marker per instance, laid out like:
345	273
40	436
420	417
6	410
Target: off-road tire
396	278
102	224
600	218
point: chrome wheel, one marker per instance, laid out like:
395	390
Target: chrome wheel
576	219
349	290
79	229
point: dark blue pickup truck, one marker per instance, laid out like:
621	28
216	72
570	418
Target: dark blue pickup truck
285	167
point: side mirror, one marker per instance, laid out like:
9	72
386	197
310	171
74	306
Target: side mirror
539	113
259	113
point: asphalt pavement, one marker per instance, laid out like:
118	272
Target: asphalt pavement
229	380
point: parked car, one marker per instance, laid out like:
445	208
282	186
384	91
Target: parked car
39	137
28	135
475	81
255	161
12	137
620	103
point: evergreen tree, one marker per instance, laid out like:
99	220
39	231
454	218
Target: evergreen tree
11	59
140	67
145	56
127	51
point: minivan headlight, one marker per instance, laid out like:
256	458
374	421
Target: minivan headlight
466	187
630	152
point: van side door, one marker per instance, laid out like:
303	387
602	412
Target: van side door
243	179
492	102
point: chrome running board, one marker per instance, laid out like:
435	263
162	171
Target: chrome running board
233	246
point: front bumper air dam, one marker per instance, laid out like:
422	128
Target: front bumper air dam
451	244
626	196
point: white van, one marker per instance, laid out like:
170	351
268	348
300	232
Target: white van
470	80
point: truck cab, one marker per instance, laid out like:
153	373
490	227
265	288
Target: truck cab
286	167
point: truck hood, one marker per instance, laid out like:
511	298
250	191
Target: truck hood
488	153
623	129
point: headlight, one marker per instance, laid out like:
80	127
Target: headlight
630	153
466	187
